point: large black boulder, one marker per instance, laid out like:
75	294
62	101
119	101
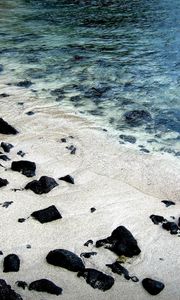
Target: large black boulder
120	242
152	286
137	117
6	293
97	279
5	128
65	259
3	182
27	168
47	214
11	263
42	186
45	285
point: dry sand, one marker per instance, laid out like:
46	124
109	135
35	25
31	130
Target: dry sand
124	186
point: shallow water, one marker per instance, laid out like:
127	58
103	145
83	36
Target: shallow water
103	59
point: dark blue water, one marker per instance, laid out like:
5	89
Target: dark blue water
103	58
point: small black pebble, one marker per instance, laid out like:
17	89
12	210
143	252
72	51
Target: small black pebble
63	140
145	150
157	219
6	204
153	287
1	253
93	209
168	202
68	179
28	246
21	220
30	113
4	157
87	254
21	284
21	153
3	182
6	146
20	103
89	242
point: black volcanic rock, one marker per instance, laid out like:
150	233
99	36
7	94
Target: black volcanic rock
5	128
128	138
157	219
120	242
4	157
67	178
168	202
117	268
88	254
137	117
171	226
152	286
3	182
65	259
6	293
42	186
45	285
97	279
6	146
27	168
24	83
11	263
48	214
89	242
21	284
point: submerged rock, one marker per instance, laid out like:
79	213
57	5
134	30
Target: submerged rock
137	117
1	68
3	182
27	168
65	259
42	186
120	242
6	293
24	83
152	286
68	179
5	128
45	285
48	214
168	202
128	138
6	147
11	263
97	279
157	219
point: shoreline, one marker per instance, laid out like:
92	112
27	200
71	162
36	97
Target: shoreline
124	186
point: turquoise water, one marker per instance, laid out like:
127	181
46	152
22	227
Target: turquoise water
103	58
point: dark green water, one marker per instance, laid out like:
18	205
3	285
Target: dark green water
103	58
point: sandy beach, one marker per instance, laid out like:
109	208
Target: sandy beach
124	186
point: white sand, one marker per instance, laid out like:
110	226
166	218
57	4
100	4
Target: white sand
124	186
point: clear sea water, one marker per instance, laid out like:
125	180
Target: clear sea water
102	58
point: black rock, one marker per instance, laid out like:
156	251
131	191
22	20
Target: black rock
89	242
65	259
6	147
157	219
97	279
152	286
120	242
63	140
168	202
6	204
21	284
6	293
3	182
1	68
88	254
72	149
137	117
11	263
5	128
4	95
42	186
92	209
48	214
171	226
4	157
24	83
144	150
128	138
45	285
117	268
68	179
27	168
21	220
21	153
30	113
